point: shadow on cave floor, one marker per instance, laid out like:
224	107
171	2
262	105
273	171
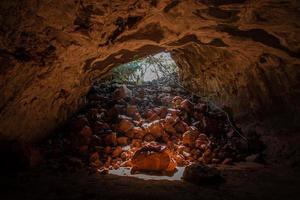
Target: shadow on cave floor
243	181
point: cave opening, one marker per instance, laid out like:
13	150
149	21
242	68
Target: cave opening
84	114
139	121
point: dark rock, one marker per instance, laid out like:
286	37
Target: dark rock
202	174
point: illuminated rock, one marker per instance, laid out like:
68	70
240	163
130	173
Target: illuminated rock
153	158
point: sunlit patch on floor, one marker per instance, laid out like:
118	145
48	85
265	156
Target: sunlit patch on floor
127	171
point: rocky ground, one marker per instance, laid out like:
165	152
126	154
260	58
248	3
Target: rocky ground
153	127
243	181
175	128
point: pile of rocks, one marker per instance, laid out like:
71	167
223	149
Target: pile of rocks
150	127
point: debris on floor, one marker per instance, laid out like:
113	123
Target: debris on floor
154	126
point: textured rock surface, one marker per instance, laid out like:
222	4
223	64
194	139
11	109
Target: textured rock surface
244	53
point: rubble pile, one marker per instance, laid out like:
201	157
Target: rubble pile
155	126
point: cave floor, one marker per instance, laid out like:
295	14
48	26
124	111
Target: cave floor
243	181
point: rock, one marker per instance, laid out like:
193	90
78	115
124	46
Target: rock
189	138
153	158
154	128
176	101
93	115
173	112
94	160
207	156
201	107
202	141
122	141
107	150
83	150
187	106
227	161
100	127
151	115
95	141
122	92
149	138
111	139
136	132
179	160
117	152
202	174
161	111
166	89
86	132
124	126
165	99
181	126
76	162
131	110
79	123
253	158
136	143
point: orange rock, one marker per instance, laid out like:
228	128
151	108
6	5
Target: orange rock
179	160
181	127
187	106
173	112
124	126
151	115
131	110
207	156
111	139
107	150
176	101
152	158
87	133
94	156
136	132
122	141
188	139
202	141
136	143
117	152
161	111
154	128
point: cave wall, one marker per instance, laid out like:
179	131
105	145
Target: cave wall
244	54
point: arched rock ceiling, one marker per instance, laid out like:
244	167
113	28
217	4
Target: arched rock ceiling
243	53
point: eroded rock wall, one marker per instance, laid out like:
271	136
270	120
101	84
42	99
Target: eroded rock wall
244	53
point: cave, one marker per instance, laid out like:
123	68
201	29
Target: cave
239	57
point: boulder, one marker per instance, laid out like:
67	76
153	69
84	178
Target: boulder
122	92
153	158
117	152
202	174
124	125
111	139
136	132
154	128
176	101
187	106
122	141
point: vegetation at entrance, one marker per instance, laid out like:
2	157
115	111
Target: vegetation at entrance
145	69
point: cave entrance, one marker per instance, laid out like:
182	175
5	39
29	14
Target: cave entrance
139	121
146	70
